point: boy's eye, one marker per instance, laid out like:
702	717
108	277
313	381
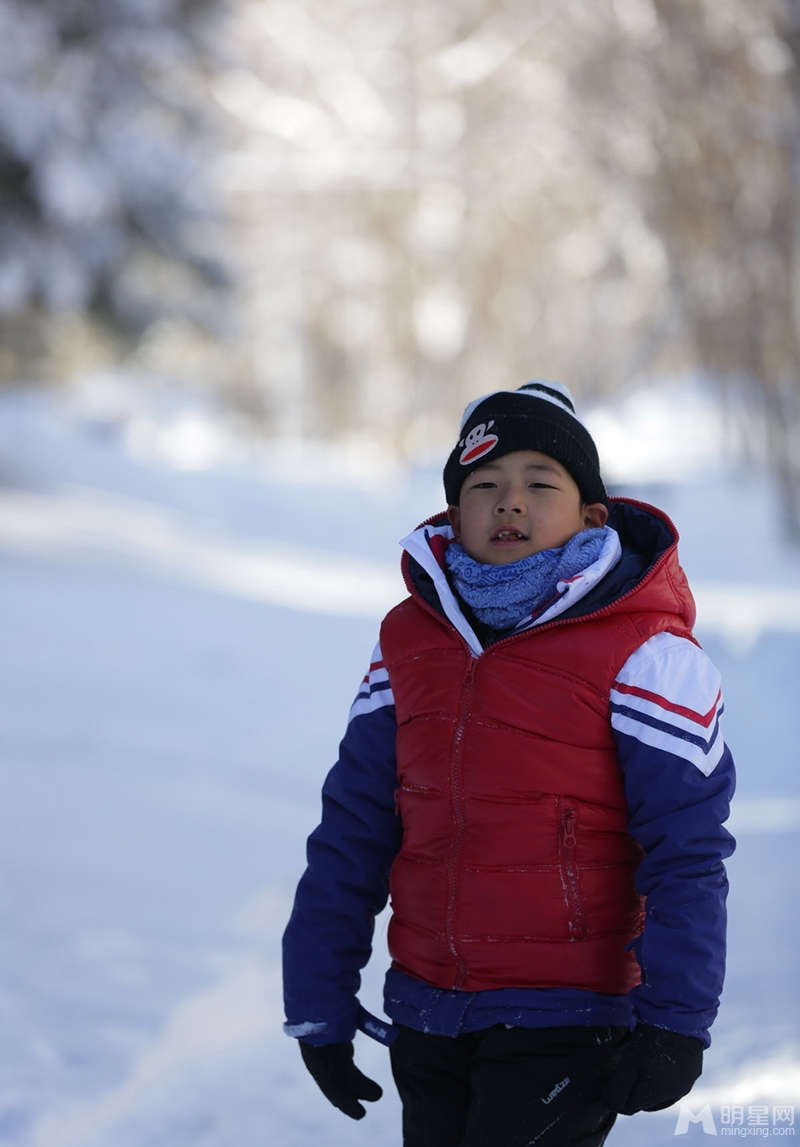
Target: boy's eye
483	486
541	486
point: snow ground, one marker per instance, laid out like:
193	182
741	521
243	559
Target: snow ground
176	666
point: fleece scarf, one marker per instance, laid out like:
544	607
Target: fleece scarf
502	596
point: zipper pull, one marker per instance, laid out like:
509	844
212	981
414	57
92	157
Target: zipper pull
469	676
568	827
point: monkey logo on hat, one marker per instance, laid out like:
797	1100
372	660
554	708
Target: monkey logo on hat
478	443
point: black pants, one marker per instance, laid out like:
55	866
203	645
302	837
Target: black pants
506	1087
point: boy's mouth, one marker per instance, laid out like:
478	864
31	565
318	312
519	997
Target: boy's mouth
508	535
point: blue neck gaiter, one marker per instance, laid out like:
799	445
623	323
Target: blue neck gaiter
502	596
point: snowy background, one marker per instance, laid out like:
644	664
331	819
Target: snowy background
176	664
335	221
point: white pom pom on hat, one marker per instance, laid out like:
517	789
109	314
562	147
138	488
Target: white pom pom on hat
551	391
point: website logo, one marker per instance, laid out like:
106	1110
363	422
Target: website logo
687	1116
757	1120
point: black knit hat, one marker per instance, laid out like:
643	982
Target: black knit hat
539	416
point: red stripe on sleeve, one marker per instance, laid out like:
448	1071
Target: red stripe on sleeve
703	719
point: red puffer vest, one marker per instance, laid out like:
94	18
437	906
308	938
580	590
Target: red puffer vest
516	867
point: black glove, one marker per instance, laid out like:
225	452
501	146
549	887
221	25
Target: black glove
338	1078
656	1069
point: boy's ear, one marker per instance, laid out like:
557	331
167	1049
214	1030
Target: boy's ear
595	516
454	518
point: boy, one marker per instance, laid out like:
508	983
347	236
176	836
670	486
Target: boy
534	767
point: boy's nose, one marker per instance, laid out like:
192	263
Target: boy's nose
511	502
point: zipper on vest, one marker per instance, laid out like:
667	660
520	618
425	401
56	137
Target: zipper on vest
458	809
569	871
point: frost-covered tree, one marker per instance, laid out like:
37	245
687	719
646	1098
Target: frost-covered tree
423	199
104	132
700	109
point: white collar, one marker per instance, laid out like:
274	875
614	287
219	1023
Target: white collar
418	545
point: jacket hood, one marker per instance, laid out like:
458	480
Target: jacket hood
649	565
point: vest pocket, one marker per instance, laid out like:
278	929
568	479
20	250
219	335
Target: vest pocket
570	875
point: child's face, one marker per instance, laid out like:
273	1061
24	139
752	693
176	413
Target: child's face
518	505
